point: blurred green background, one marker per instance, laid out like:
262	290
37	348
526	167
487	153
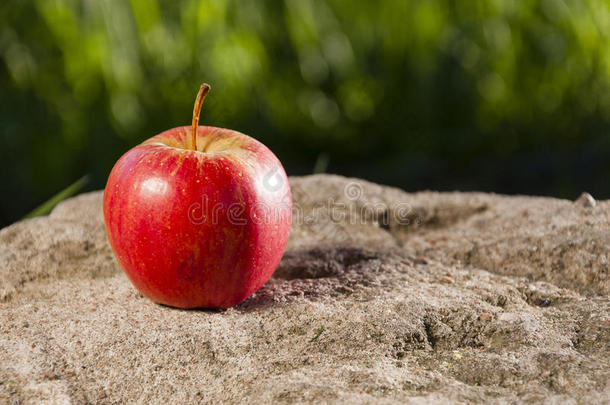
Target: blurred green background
492	95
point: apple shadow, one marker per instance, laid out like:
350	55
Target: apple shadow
207	310
316	273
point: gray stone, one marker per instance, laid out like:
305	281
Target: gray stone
586	200
382	296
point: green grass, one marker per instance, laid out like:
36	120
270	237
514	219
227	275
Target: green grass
46	207
317	335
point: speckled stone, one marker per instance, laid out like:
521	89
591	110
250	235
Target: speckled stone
382	296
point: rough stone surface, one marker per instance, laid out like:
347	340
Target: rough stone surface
382	296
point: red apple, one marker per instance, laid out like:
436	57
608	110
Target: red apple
198	217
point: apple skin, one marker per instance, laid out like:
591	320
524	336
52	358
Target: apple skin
198	229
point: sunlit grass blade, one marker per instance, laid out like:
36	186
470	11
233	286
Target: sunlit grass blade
46	207
321	163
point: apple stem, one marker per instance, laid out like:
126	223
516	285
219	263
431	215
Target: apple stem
203	91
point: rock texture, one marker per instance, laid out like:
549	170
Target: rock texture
382	296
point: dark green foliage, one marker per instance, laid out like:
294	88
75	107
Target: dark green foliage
501	95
